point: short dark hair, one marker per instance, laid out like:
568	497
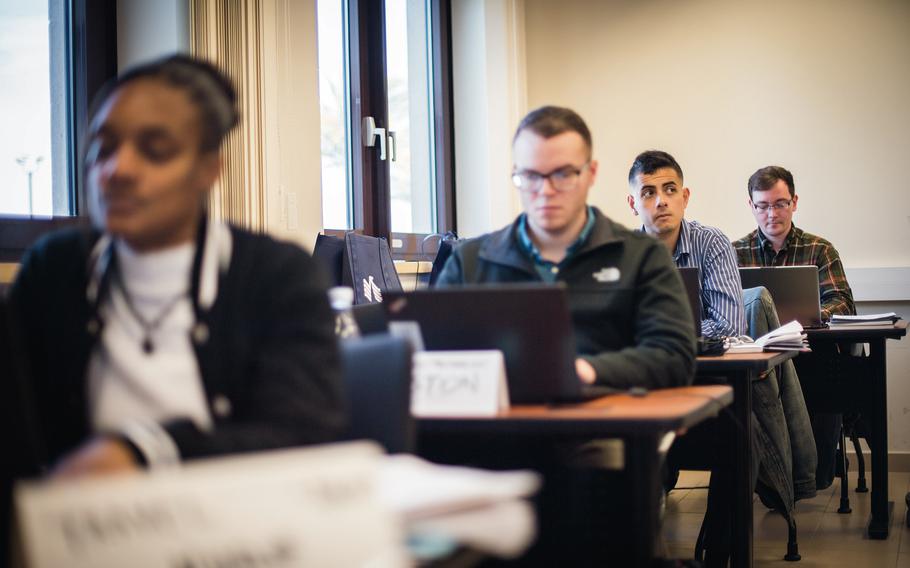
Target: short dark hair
650	161
550	121
207	86
765	178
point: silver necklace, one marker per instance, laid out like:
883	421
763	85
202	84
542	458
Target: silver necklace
148	326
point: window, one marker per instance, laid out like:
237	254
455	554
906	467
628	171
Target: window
54	57
386	106
33	106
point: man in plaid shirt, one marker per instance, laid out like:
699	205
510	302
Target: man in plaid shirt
777	242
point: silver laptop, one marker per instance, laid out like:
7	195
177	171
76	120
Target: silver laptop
794	289
529	323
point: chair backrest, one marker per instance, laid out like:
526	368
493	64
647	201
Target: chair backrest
377	378
368	268
442	255
329	251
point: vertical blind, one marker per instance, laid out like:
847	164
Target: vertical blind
229	34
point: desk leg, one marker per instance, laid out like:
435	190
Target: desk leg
730	498
882	509
643	467
742	472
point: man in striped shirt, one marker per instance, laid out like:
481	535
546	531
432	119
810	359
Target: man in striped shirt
658	196
777	242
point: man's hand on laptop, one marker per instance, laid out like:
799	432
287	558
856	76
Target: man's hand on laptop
585	371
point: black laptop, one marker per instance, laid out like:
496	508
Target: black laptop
794	289
530	324
691	277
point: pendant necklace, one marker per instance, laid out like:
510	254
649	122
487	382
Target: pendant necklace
148	326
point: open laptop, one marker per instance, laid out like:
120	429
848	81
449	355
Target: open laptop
794	289
691	277
530	324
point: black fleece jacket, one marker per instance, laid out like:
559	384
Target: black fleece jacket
631	319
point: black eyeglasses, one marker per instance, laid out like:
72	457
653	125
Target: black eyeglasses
563	179
777	205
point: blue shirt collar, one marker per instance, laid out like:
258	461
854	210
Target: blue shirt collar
527	245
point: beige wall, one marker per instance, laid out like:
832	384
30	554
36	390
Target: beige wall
821	87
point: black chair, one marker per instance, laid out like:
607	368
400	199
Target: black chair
377	378
329	252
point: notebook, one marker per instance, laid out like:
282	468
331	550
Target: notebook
691	277
529	323
794	289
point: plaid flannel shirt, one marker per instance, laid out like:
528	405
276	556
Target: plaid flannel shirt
802	249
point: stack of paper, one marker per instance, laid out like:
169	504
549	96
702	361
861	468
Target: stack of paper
867	320
786	337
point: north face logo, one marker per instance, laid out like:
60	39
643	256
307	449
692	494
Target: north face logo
371	291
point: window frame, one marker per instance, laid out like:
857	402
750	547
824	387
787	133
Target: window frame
91	61
371	181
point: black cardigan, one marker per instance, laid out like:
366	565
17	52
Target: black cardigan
266	348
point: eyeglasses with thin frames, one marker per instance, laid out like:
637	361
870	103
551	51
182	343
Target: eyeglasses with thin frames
563	179
777	205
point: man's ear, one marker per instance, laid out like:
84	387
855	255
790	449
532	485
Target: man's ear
631	201
685	193
795	197
592	167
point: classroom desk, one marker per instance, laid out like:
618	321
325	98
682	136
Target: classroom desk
730	497
856	384
640	420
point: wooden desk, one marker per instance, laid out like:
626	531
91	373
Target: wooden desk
640	420
856	384
730	497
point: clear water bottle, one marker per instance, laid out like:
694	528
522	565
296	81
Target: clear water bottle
342	298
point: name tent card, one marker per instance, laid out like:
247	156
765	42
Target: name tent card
281	509
459	383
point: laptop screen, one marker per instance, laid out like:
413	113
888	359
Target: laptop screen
793	288
530	324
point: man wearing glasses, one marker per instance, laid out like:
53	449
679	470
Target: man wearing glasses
630	314
778	242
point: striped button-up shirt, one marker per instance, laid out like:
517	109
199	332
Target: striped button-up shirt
803	249
709	250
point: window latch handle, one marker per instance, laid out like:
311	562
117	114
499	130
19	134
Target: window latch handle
370	132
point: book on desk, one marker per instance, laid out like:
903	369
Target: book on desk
787	337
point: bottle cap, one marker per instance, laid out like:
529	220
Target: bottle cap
341	297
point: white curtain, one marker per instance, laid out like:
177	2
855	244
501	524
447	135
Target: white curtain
229	34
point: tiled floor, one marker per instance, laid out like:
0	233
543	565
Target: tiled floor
826	538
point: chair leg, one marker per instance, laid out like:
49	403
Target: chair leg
861	486
792	545
844	493
700	541
907	499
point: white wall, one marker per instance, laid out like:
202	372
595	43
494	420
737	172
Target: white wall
818	86
146	30
821	87
489	100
